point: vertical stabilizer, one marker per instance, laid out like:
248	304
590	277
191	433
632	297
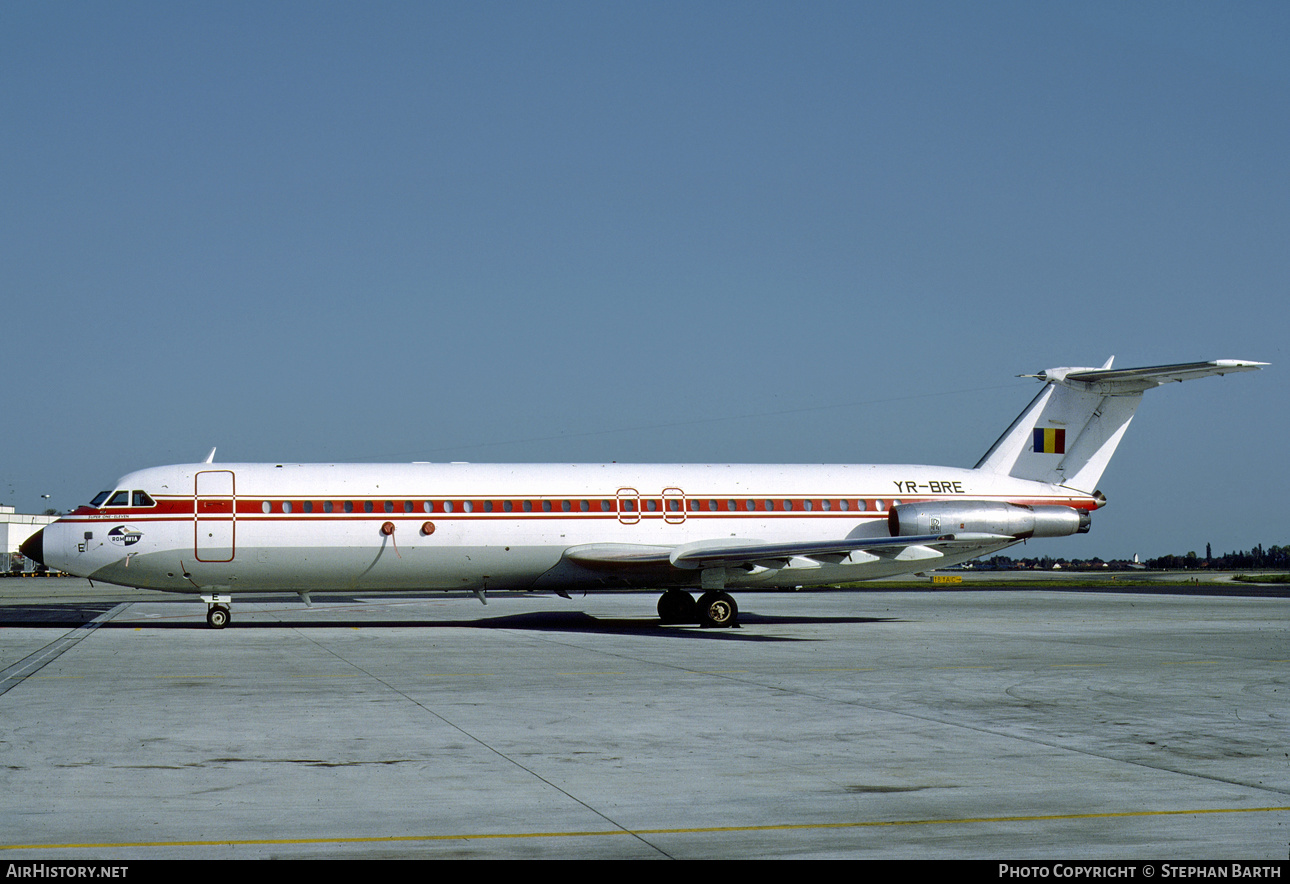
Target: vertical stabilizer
1067	434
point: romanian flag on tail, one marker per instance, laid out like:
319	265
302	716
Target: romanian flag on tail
1050	440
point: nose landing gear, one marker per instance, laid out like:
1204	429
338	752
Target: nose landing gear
217	610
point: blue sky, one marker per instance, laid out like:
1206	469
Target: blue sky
762	232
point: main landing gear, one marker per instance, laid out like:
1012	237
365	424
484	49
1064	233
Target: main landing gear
715	608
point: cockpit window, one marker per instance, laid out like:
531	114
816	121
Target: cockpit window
99	498
141	498
121	498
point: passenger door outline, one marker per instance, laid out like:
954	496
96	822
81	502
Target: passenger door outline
215	516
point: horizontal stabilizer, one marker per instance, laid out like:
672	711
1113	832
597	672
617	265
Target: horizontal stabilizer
1125	380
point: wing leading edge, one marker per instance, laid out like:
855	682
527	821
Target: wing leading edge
734	554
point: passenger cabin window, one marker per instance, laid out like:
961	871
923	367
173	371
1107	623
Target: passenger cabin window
141	498
121	498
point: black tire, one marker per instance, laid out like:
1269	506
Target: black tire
217	616
677	606
718	610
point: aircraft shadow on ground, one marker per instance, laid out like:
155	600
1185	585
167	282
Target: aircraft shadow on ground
72	616
67	616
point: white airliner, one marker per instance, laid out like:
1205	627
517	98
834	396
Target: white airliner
213	530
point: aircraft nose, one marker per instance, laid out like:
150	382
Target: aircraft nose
34	547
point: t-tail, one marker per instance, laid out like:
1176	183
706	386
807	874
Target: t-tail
1067	434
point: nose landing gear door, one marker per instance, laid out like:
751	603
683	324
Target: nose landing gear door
214	516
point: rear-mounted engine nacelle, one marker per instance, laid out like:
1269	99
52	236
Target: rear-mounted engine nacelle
986	517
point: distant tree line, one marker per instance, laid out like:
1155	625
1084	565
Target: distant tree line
1047	563
1273	558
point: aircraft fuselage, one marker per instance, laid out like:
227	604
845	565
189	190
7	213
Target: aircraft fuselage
391	527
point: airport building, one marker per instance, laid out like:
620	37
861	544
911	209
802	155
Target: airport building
14	529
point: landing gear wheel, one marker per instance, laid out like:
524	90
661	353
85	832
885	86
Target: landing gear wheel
217	616
718	610
677	606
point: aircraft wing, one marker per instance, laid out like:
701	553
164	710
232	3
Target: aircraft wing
734	553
